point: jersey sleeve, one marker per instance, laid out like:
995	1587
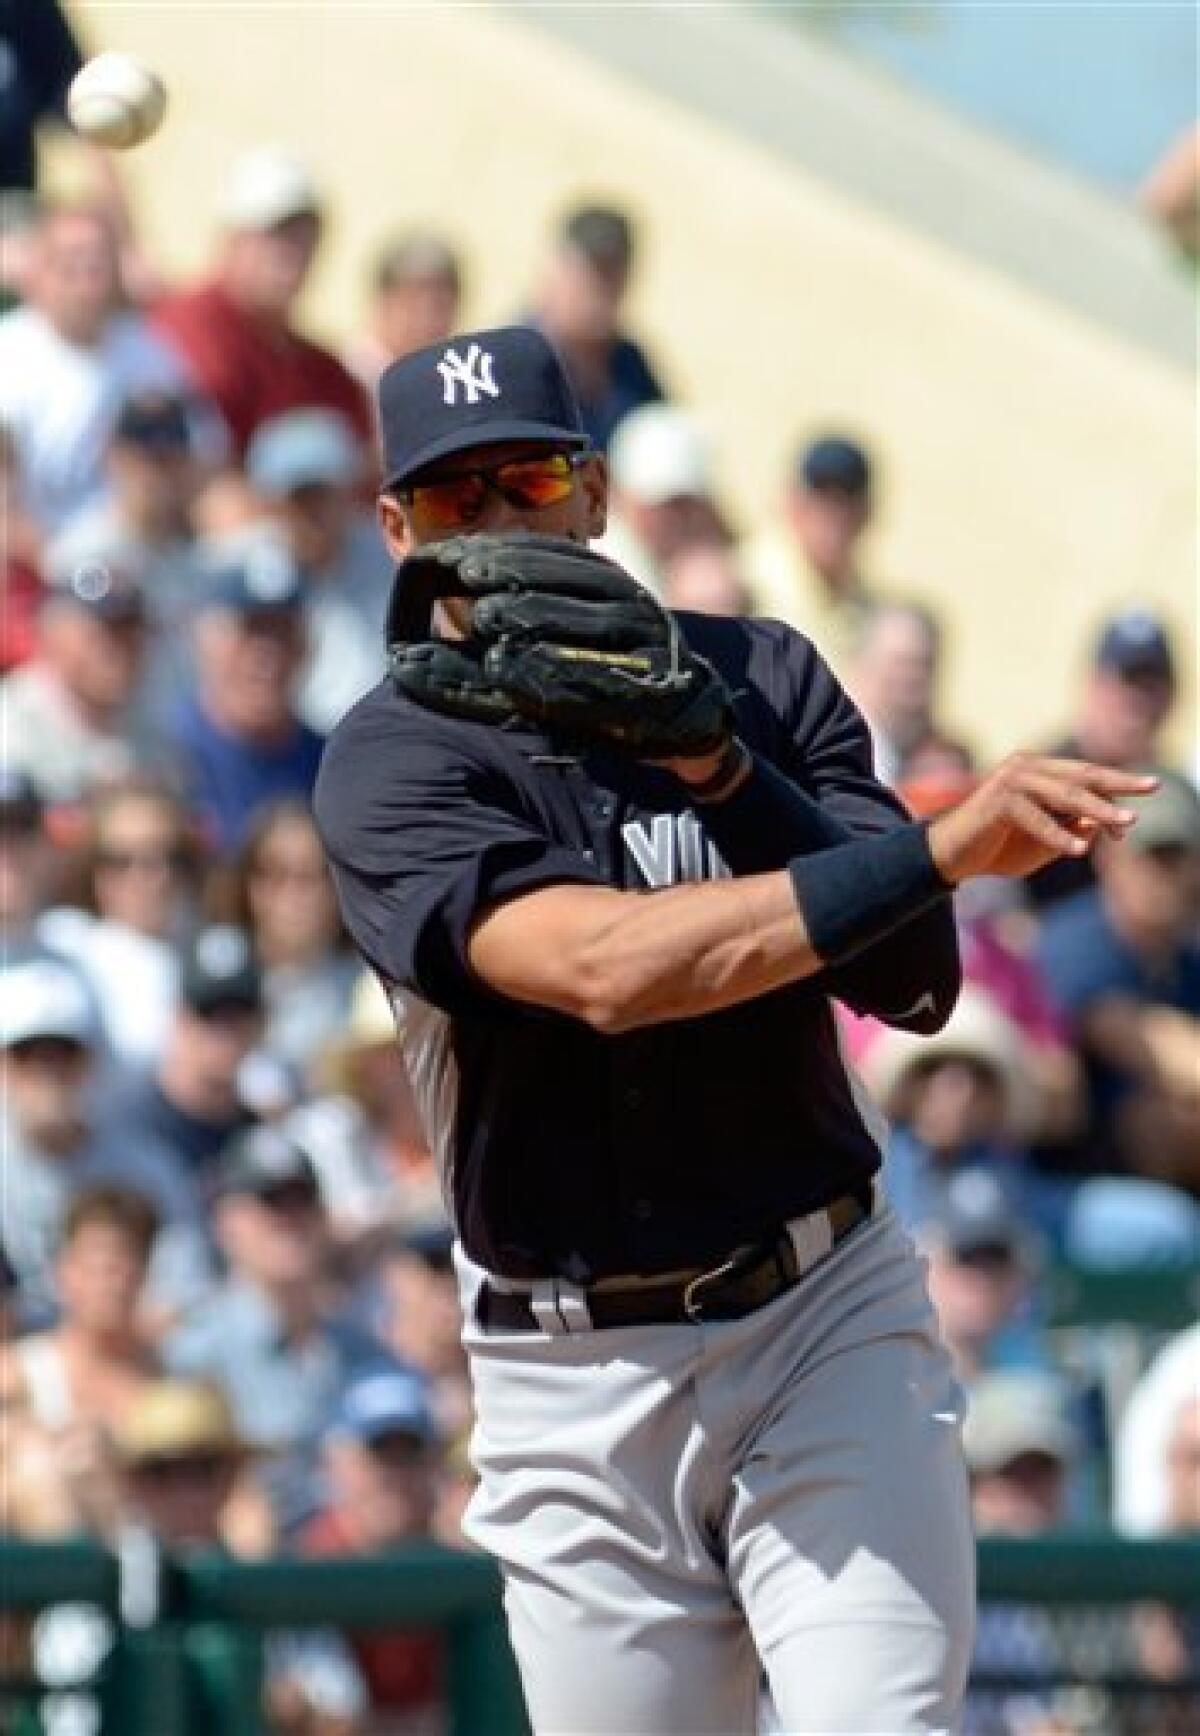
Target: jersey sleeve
910	979
421	838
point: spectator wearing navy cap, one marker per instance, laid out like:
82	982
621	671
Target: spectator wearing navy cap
188	1104
74	714
306	469
984	1269
808	569
274	1333
579	307
380	1457
26	854
1124	703
154	473
240	740
143	522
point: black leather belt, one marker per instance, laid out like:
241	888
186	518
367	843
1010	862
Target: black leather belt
748	1280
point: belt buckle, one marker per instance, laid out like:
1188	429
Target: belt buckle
741	1260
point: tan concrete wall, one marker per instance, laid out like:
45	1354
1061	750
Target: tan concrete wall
1038	471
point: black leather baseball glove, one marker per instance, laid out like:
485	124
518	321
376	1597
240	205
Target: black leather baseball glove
566	639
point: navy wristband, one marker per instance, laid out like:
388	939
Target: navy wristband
855	894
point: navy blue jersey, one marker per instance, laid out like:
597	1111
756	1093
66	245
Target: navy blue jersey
564	1151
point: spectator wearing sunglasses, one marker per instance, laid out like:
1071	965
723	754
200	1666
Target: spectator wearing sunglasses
127	902
275	1332
278	889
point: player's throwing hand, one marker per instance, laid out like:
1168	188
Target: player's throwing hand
1032	810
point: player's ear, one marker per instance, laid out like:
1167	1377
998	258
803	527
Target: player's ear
394	527
593	482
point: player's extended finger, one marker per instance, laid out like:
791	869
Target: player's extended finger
1108	780
1034	820
1068	795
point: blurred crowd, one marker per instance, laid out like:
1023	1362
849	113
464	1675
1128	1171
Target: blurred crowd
229	1309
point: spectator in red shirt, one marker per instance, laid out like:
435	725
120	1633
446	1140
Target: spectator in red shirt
380	1457
236	331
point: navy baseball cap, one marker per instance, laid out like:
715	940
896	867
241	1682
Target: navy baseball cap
302	448
218	969
258	575
156	421
474	390
21	802
836	463
262	1159
385	1401
976	1213
1136	643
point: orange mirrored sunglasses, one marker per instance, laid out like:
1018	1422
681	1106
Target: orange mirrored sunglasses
529	484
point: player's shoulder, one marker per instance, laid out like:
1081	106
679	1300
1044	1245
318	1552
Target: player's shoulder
387	752
765	658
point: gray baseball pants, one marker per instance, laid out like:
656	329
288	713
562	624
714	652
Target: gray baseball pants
677	1507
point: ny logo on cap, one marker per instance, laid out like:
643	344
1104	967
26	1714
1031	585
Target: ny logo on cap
473	373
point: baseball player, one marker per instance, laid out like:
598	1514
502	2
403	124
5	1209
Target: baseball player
612	867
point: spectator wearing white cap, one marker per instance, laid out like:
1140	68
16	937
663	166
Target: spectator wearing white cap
306	468
69	358
49	1050
808	569
237	331
663	499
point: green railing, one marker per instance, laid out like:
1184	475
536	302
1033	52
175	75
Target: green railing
188	1653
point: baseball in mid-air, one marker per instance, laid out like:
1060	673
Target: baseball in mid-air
115	100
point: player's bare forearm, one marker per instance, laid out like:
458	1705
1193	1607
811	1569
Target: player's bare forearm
620	960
